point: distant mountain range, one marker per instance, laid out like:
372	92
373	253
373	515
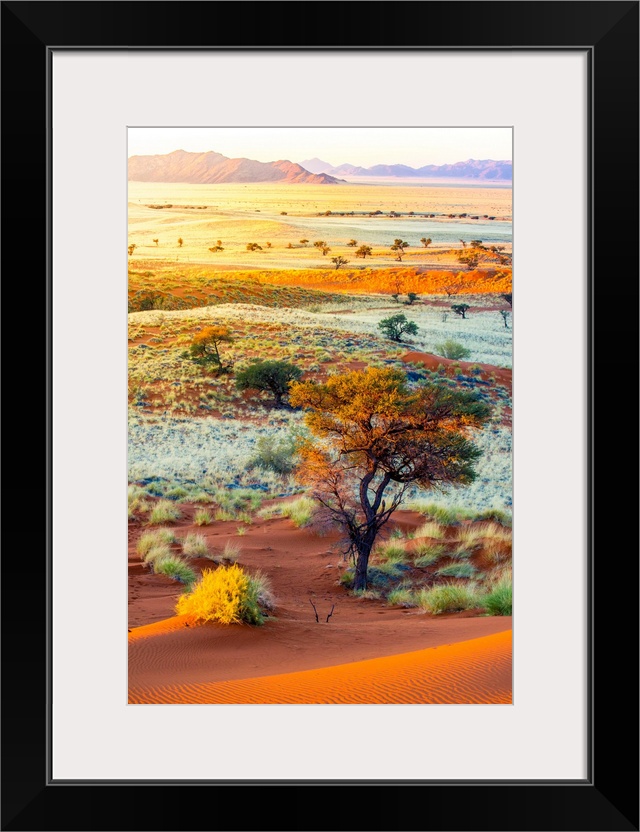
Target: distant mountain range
471	169
213	168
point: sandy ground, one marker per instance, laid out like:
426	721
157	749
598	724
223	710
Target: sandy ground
366	652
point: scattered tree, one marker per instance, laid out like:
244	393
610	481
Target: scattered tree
268	245
412	297
460	309
253	247
325	250
156	241
217	247
131	248
477	243
373	439
508	297
396	326
303	242
505	317
180	242
399	247
364	252
339	261
452	289
352	243
464	245
395	296
426	241
269	376
320	243
205	347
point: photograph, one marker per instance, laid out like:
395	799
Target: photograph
276	251
320	408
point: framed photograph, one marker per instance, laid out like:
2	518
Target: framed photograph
89	87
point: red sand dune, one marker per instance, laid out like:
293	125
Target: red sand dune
368	652
471	672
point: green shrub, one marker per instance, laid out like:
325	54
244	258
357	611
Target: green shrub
452	349
275	454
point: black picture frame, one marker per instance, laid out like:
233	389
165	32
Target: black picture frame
608	798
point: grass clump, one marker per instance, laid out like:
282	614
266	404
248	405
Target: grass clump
173	567
226	595
401	597
300	511
195	546
231	552
202	517
448	597
150	539
164	512
425	554
433	530
392	552
457	570
499	598
156	553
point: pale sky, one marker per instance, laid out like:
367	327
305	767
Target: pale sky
364	146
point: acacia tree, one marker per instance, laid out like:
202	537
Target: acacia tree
426	241
373	437
460	309
205	347
399	247
364	252
339	261
396	326
269	376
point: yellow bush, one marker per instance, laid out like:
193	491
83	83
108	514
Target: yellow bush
226	595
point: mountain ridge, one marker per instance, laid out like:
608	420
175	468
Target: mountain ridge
501	170
211	168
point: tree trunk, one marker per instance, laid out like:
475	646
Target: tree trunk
362	561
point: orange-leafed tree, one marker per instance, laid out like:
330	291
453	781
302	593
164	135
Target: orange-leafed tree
205	347
373	437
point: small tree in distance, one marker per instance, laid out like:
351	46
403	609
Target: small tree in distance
460	309
339	261
269	376
205	349
131	248
399	247
180	242
156	241
426	241
505	317
352	243
412	297
364	252
373	439
396	326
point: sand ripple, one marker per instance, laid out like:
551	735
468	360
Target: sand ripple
470	672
